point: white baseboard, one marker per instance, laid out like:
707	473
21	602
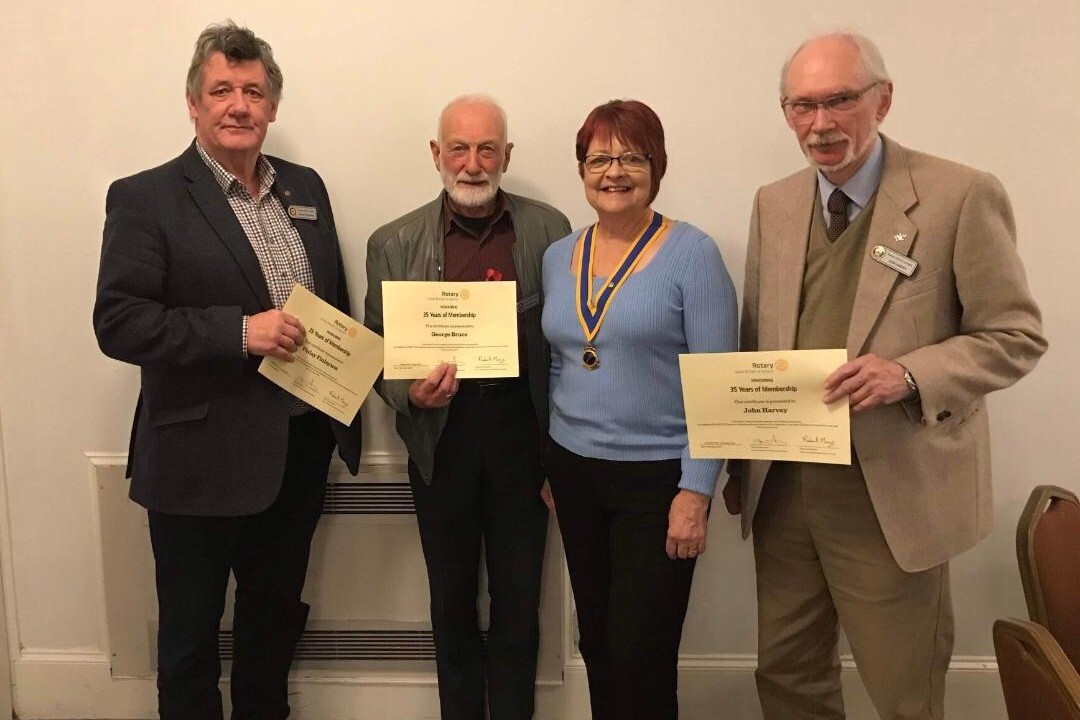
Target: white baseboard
721	687
59	685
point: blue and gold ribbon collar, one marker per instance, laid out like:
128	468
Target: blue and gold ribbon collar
591	310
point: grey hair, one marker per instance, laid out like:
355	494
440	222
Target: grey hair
474	99
236	43
869	55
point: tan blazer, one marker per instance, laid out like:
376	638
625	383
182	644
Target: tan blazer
964	324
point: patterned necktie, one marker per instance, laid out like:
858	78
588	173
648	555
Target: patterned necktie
838	222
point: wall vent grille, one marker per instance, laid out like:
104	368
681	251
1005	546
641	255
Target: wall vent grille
405	645
353	645
364	498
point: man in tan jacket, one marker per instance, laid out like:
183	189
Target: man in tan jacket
908	261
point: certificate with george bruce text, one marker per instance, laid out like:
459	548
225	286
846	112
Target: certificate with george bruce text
765	406
471	324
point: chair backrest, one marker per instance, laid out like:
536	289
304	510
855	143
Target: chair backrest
1038	680
1048	551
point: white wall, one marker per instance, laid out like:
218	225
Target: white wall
93	91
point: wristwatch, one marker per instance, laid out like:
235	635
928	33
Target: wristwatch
913	387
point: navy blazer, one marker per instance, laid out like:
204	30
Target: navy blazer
177	274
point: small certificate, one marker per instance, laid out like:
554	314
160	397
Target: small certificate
765	406
338	363
472	324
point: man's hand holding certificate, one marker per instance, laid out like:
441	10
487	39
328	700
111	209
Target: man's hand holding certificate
765	406
337	364
470	324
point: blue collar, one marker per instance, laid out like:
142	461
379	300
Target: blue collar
860	187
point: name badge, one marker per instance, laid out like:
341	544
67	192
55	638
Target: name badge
894	260
303	212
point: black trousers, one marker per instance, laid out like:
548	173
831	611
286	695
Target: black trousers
485	489
268	553
631	598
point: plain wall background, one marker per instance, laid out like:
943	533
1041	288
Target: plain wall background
94	91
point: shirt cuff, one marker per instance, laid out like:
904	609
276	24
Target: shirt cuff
244	337
700	476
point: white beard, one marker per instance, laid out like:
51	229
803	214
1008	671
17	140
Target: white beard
468	196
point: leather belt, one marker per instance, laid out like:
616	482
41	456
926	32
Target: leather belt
493	387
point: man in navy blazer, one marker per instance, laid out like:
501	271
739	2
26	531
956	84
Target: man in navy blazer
198	257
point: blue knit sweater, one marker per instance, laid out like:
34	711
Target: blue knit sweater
631	408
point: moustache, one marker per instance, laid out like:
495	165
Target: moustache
828	138
464	176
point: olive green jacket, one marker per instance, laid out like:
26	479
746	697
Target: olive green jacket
411	248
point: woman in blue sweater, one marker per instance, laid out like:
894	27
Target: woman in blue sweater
623	298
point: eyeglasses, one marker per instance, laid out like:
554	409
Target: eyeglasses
632	162
805	110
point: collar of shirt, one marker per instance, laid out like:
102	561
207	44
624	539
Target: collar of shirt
860	187
451	217
229	182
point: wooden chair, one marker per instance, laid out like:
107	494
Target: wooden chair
1048	550
1039	682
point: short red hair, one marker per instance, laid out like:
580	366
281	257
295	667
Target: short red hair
632	123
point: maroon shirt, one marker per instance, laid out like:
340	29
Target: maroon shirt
477	249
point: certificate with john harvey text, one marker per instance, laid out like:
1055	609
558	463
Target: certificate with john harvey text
765	406
472	324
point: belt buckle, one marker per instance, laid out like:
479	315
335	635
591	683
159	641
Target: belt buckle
489	387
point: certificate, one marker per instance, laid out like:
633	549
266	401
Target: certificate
472	324
765	406
336	366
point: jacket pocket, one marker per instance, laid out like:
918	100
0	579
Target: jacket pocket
172	416
907	289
